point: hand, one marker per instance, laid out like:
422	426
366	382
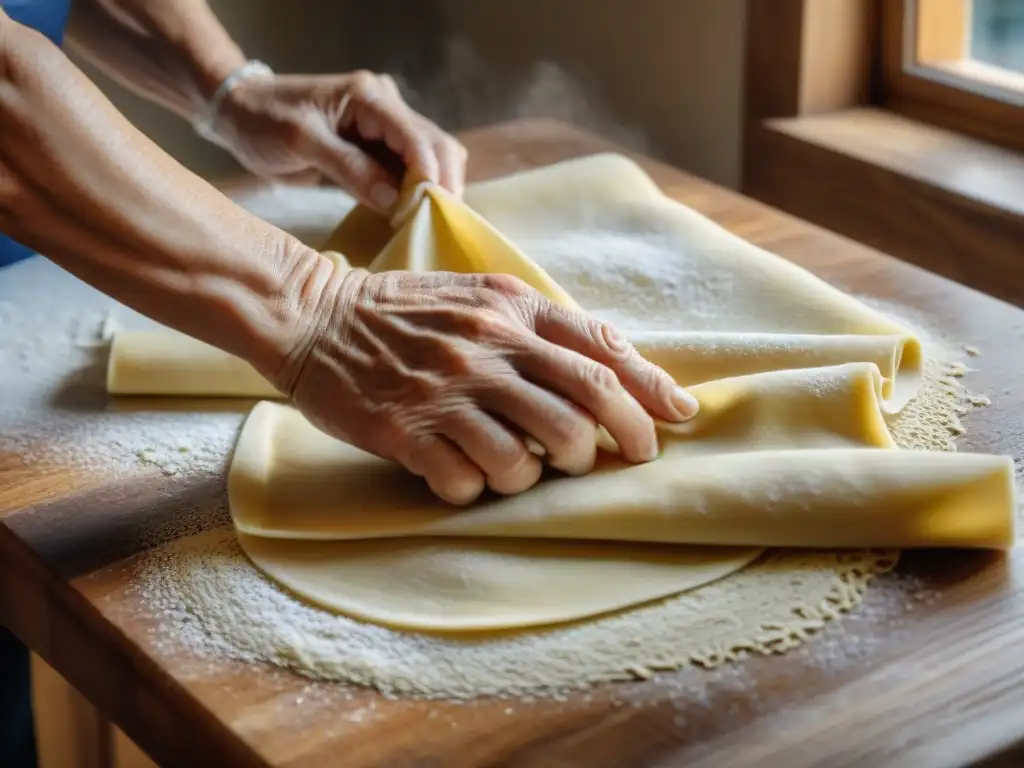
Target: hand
446	373
354	129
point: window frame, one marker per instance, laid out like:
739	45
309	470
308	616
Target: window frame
825	140
934	93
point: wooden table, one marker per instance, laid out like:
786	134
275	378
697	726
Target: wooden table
904	681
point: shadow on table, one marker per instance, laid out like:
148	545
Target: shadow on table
85	388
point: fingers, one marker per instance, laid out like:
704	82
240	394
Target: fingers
307	178
447	470
389	120
596	388
378	113
355	171
648	383
504	458
476	450
568	436
451	161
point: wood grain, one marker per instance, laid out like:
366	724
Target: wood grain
805	57
839	42
926	673
774	59
931	197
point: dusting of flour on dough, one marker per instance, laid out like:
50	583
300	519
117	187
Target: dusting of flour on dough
211	599
206	597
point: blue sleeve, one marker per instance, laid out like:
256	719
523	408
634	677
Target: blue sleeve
47	16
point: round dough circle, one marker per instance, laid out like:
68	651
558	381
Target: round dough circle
465	584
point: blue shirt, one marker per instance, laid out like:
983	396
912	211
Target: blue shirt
48	17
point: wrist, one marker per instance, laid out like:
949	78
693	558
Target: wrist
210	69
210	119
297	313
205	52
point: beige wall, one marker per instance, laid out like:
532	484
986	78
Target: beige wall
660	75
672	68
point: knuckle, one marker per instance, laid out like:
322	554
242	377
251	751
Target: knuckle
410	393
485	324
599	380
363	77
390	85
364	82
510	455
507	285
615	344
398	437
571	431
655	379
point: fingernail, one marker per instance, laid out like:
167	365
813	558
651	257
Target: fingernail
685	404
383	196
653	449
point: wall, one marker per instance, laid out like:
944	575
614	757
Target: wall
663	76
671	68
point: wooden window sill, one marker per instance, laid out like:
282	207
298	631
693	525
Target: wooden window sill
935	198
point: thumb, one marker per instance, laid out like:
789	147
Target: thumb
354	170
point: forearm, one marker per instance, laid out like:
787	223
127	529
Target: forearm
81	185
174	52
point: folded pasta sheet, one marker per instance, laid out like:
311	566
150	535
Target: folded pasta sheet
791	448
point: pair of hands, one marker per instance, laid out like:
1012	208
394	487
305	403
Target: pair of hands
446	374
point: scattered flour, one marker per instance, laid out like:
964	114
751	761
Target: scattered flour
54	408
208	599
54	336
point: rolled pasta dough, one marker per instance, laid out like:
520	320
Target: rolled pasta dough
790	448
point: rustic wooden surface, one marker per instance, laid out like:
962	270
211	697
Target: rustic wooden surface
932	197
824	140
928	672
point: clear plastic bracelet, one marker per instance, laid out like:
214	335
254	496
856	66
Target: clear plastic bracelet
206	124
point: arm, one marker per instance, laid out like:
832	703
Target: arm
173	52
80	184
352	128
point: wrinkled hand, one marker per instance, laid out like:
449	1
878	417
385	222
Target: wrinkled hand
446	373
354	129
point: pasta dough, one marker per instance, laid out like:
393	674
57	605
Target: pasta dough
464	584
734	476
790	448
171	363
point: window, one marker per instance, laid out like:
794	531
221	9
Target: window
958	64
899	123
997	34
